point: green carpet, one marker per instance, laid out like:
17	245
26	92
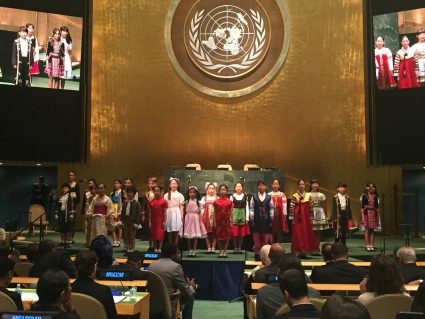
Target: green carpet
217	309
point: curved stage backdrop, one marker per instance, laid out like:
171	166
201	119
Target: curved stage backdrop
309	120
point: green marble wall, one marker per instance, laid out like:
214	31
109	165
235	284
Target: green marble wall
387	25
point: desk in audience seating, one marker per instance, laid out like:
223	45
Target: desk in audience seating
118	260
129	283
127	307
252	263
332	287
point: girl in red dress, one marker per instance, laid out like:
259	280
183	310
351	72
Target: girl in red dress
280	210
208	216
240	217
384	65
223	213
404	66
157	210
370	215
303	238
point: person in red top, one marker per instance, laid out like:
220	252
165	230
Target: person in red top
157	211
280	211
223	214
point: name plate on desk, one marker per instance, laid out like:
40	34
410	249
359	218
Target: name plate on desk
114	274
30	315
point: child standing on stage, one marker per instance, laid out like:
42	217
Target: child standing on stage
88	199
223	214
341	213
240	217
54	59
384	65
208	215
35	49
75	193
174	219
22	58
130	217
65	213
318	219
404	66
193	226
370	214
117	197
280	211
157	212
261	215
149	195
68	46
100	208
303	238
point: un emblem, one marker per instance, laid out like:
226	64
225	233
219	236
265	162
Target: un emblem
230	48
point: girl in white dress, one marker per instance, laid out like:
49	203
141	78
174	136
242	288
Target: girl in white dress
319	219
174	217
67	41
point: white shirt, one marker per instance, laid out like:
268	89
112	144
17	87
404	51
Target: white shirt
342	201
24	47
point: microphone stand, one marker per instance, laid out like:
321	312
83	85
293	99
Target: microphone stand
383	237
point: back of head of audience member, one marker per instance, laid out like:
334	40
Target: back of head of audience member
171	251
32	252
4	248
6	271
339	251
275	253
293	286
53	289
384	276
406	255
264	255
326	252
340	307
289	261
103	249
135	259
46	246
85	263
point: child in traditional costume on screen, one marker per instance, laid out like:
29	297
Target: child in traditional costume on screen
303	238
208	216
223	215
261	216
22	58
117	197
405	66
157	212
419	52
68	46
174	218
370	215
194	229
35	49
130	218
279	200
87	200
240	217
384	65
149	195
100	208
55	54
319	218
65	213
341	213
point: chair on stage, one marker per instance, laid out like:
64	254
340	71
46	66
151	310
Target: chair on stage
194	166
160	300
248	167
6	303
34	213
387	306
317	303
22	269
225	167
87	307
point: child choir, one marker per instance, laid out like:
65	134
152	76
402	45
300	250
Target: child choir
217	217
408	68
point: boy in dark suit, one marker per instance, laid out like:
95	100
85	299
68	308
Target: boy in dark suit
341	213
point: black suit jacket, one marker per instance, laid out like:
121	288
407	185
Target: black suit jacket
100	292
262	274
301	311
316	272
340	272
411	272
53	260
14	296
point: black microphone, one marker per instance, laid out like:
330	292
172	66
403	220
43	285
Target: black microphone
190	179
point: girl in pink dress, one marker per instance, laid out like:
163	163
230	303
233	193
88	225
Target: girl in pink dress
208	216
193	226
223	213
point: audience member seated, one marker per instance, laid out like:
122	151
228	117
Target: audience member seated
7	252
134	263
103	249
269	297
171	272
340	271
293	286
6	275
327	258
2	234
32	253
54	294
265	260
340	307
419	300
410	271
50	258
384	278
275	253
84	284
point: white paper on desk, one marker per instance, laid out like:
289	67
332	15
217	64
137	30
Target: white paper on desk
31	297
118	299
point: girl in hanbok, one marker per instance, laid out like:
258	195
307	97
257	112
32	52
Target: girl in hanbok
384	65
208	216
174	218
280	211
404	66
418	50
100	208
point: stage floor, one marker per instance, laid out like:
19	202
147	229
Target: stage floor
355	245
